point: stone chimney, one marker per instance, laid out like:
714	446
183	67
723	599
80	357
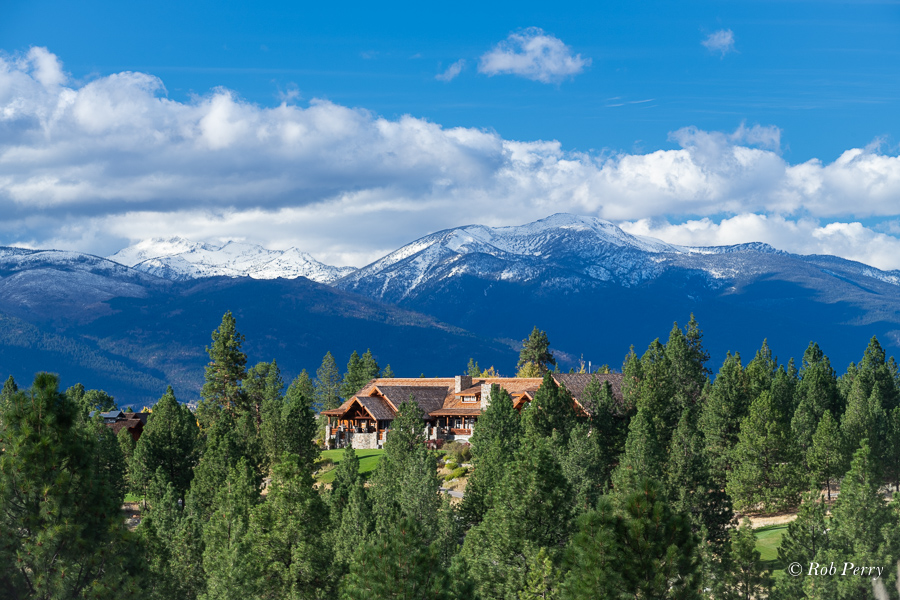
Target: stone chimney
463	382
485	395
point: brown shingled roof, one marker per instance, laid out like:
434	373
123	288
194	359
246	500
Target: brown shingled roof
428	398
377	407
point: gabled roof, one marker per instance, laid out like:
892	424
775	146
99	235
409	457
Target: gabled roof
428	398
377	407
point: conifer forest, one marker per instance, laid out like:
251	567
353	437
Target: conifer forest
648	494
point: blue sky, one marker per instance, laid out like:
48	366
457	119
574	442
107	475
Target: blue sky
700	122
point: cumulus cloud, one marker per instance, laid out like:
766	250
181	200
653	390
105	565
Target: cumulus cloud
452	71
721	41
93	166
850	240
533	54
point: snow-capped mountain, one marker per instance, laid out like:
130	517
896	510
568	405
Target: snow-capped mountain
179	259
562	250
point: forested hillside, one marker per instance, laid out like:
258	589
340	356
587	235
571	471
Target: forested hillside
643	498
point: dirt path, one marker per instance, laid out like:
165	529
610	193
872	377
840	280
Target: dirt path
780	519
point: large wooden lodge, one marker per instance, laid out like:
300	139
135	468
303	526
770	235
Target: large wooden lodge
450	405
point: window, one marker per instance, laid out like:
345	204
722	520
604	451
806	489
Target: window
468	399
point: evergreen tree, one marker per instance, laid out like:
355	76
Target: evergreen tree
531	509
692	489
762	474
387	372
227	557
170	442
687	363
552	409
494	443
865	418
263	388
825	457
746	578
328	384
398	565
543	579
536	351
806	540
9	389
584	465
354	378
369	368
350	512
405	483
299	423
644	456
863	529
760	372
641	550
610	420
286	561
881	375
472	370
816	392
224	373
224	449
107	456
60	530
727	402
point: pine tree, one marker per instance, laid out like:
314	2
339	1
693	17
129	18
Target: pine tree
224	373
387	372
584	465
760	372
543	579
494	444
405	483
643	549
531	509
691	486
9	389
536	350
807	540
286	561
350	512
60	530
552	409
263	388
815	393
762	474
610	420
299	423
687	362
370	369
227	557
826	455
398	564
644	456
726	403
865	418
745	577
328	384
472	370
169	441
354	378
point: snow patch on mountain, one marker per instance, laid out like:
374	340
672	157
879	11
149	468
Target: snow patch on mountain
179	259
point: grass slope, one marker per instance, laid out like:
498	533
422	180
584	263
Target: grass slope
768	539
368	460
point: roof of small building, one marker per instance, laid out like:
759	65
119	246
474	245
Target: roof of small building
377	407
429	398
576	382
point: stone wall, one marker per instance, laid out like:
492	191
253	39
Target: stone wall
364	441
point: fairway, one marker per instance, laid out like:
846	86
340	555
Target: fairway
368	460
768	539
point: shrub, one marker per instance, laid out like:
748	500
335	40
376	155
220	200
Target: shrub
324	464
451	465
434	444
456	474
459	451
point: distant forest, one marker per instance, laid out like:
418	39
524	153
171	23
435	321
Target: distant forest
646	496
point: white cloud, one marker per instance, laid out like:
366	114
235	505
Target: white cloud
721	41
92	166
452	71
532	54
802	236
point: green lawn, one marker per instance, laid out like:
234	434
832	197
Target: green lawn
368	460
768	539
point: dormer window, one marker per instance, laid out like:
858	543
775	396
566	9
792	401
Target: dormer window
469	399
